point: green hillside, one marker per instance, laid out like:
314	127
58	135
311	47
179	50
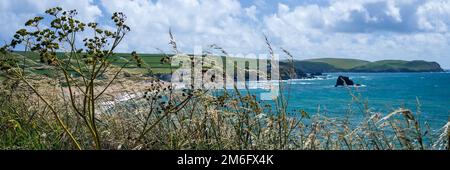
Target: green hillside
340	63
399	66
153	61
322	65
355	65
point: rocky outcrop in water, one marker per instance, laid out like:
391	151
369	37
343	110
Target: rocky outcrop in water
344	81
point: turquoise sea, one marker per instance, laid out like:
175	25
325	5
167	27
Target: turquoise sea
428	93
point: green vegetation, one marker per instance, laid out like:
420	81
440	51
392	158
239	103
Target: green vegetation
78	69
340	63
86	103
354	65
153	62
399	66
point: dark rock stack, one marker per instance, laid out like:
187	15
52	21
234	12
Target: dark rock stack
344	81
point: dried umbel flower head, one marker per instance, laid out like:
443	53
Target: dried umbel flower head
135	57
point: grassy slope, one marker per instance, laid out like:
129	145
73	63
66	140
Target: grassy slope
151	60
399	66
354	65
341	63
304	66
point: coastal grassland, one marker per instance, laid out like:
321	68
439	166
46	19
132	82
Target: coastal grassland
152	62
159	117
153	115
400	66
49	101
340	63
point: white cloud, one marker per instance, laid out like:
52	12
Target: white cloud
193	22
14	13
434	16
371	30
393	11
365	29
251	12
282	8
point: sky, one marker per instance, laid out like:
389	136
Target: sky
362	29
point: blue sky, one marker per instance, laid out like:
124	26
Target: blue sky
363	29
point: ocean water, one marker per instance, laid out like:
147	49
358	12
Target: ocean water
383	92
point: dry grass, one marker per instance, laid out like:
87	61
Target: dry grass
157	116
230	120
122	111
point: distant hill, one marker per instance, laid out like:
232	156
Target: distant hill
340	63
330	65
399	66
303	68
354	65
